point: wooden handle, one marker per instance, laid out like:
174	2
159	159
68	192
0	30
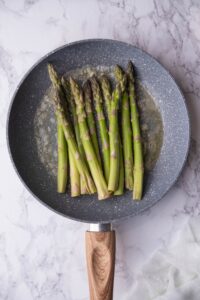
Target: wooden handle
100	252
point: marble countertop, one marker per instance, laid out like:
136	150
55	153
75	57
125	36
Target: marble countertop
42	254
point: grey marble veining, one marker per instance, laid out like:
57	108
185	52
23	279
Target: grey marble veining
42	254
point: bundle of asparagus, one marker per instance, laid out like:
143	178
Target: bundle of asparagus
113	161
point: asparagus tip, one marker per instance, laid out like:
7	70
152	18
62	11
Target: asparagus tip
119	72
130	70
76	91
53	75
93	79
87	89
96	89
121	77
117	91
105	83
66	85
71	80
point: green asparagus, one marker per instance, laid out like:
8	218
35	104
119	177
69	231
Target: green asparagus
72	105
102	126
107	92
62	160
126	128
93	162
62	153
90	118
74	176
58	102
120	189
114	141
138	172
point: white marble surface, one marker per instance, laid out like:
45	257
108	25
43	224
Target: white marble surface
42	254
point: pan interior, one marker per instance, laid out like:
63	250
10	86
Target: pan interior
32	128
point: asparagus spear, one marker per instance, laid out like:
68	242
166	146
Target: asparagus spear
114	141
58	102
120	189
62	160
74	176
126	128
138	172
90	118
87	144
107	94
72	105
102	126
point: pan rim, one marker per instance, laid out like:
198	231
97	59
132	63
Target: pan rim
187	145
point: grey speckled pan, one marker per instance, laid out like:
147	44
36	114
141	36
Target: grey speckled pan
159	84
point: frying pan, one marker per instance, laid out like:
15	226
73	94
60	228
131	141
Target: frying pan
100	239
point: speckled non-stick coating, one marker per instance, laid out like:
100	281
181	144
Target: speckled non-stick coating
160	85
